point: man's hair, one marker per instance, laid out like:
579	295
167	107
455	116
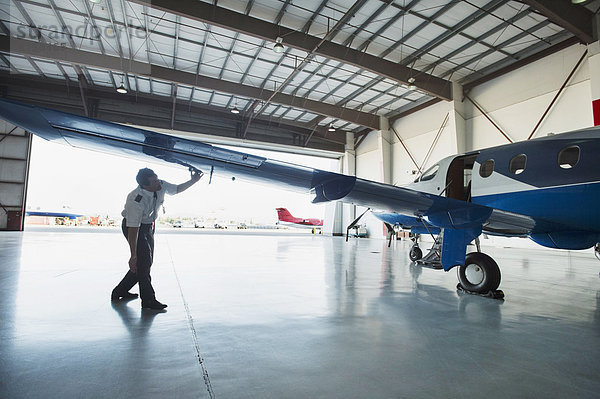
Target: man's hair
143	176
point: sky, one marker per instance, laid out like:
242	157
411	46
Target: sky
96	184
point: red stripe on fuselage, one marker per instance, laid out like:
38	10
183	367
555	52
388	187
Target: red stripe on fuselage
596	111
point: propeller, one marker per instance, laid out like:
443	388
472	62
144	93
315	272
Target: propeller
390	232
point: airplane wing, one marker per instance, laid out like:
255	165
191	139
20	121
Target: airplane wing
460	221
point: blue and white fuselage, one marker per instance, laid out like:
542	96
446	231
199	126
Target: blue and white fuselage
551	185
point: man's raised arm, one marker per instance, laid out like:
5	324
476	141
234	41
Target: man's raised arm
184	186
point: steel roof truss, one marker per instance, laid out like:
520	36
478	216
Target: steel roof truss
255	27
574	18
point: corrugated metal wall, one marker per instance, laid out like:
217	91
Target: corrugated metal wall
15	150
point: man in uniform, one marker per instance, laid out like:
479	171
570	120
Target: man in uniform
141	210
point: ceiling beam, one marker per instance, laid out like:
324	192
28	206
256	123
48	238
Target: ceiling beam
468	85
574	18
153	113
419	107
150	30
231	20
38	89
111	63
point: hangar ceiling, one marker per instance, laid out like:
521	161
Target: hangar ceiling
339	65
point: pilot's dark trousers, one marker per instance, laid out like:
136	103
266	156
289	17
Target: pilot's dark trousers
145	253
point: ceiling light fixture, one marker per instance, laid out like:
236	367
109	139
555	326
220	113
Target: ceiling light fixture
331	128
578	1
95	1
411	84
278	47
121	89
235	109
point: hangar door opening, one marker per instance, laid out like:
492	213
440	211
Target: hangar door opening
15	149
92	184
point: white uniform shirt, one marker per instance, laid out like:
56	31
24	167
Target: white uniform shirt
141	206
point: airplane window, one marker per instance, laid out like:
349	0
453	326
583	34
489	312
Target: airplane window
430	173
568	157
486	168
517	164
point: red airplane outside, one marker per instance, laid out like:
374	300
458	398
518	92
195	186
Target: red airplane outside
286	218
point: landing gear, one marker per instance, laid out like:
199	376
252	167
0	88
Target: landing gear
415	253
433	260
480	275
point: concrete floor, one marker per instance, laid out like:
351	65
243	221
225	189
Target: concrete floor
289	316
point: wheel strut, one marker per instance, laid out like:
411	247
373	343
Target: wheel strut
433	259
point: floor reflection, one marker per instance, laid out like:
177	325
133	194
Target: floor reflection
137	322
10	259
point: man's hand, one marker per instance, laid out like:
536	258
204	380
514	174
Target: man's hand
133	264
196	175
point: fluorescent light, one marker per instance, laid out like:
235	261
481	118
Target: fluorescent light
278	47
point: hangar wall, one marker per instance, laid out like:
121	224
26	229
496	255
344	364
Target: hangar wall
15	150
515	101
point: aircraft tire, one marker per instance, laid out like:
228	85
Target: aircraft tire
415	254
479	274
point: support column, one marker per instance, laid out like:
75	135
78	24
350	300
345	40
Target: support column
456	120
594	66
15	151
337	213
384	139
384	174
349	168
349	162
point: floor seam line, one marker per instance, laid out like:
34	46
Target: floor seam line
192	329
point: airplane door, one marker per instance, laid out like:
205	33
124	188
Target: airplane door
458	178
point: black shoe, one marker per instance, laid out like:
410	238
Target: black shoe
154	305
115	296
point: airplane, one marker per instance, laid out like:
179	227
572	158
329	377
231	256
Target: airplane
285	218
545	189
65	212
